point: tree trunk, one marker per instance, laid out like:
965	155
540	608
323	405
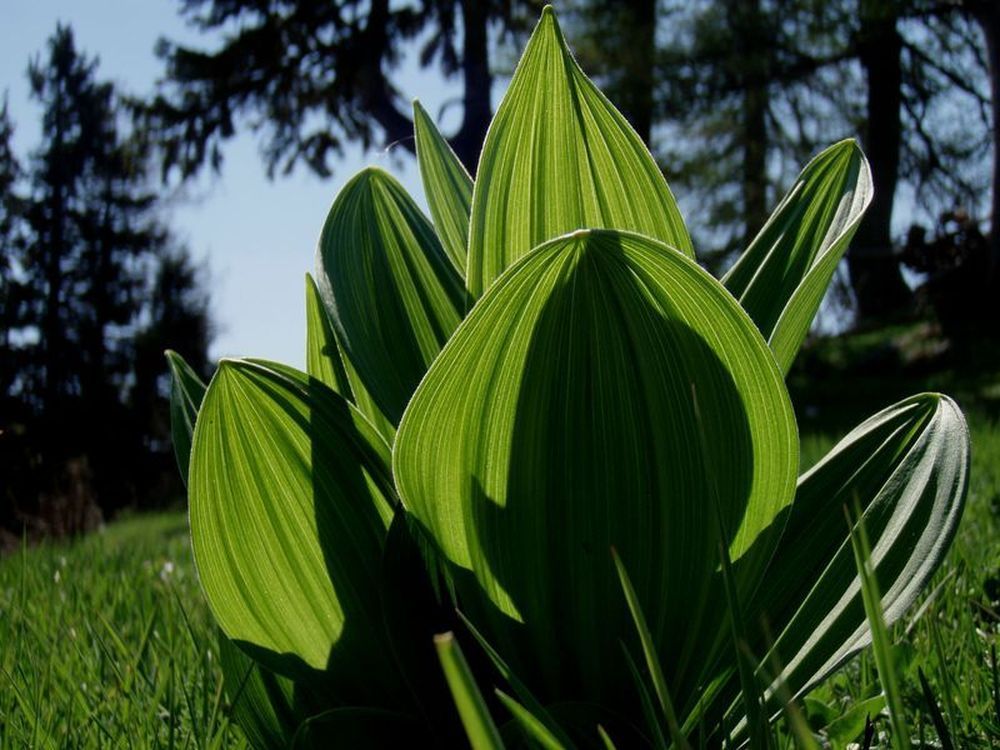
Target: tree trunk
987	15
52	241
468	142
638	62
876	278
748	23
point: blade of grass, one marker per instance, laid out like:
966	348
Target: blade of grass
945	676
530	723
479	726
645	702
649	651
531	703
749	687
796	722
881	645
935	711
608	744
996	682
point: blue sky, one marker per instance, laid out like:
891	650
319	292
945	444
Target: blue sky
258	237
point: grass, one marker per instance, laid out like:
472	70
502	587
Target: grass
107	641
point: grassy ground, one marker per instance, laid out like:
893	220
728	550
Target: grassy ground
107	641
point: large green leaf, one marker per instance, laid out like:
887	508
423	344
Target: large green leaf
326	362
393	295
558	157
289	501
447	186
907	468
186	392
561	420
781	278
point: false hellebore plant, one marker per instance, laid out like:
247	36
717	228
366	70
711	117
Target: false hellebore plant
539	411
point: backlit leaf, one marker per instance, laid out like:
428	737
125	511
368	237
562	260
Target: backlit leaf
186	393
781	278
558	157
559	421
394	297
447	186
289	501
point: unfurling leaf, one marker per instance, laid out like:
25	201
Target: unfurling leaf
782	277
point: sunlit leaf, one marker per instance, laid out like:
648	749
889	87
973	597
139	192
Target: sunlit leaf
479	726
559	421
394	297
558	157
447	186
323	360
289	500
907	468
781	278
186	393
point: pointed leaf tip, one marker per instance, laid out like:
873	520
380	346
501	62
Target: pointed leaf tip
782	276
558	156
393	296
447	187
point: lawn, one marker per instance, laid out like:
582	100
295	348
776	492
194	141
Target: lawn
107	641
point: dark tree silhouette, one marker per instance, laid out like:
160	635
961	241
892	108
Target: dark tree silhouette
94	277
11	238
316	76
795	75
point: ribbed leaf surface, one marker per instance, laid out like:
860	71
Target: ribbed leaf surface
393	295
326	362
447	186
323	360
781	278
288	510
186	392
560	420
558	157
907	468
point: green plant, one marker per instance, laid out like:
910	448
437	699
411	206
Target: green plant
490	410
